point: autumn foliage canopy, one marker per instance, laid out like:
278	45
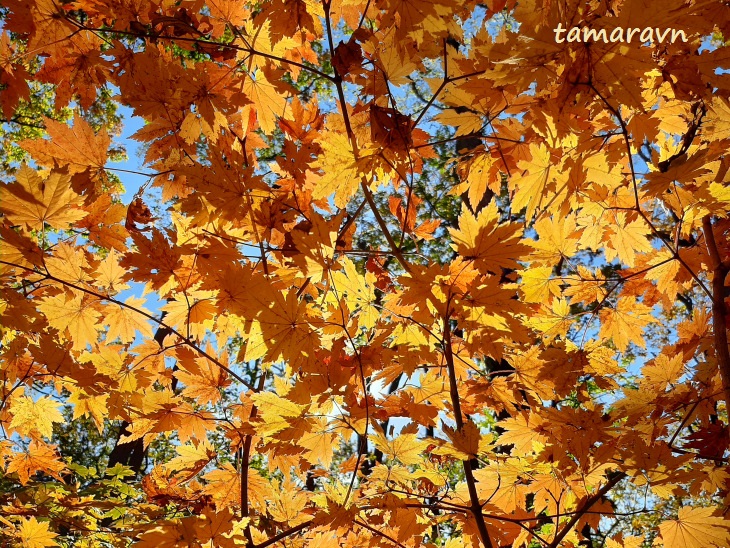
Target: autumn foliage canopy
399	273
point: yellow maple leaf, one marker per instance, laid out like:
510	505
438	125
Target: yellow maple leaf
224	484
465	444
109	274
481	177
406	447
695	528
203	378
34	201
504	483
537	284
75	314
625	323
287	504
76	148
626	542
558	238
553	319
482	237
191	458
522	432
627	240
531	187
268	102
718	119
35	534
113	362
68	263
662	371
30	416
191	313
585	286
320	444
95	406
276	412
359	292
340	176
124	322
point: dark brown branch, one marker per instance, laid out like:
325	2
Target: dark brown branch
383	227
245	458
587	506
249	50
379	533
720	270
283	535
355	151
19	123
476	506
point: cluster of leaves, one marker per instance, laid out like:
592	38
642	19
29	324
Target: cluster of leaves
409	258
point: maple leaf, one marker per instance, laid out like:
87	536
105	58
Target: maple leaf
203	379
191	313
711	441
13	77
35	534
359	292
557	239
75	314
505	483
695	528
191	459
538	284
95	406
34	201
38	457
38	415
532	187
320	444
625	323
466	443
341	176
628	239
269	102
522	432
662	371
77	149
277	413
482	237
406	447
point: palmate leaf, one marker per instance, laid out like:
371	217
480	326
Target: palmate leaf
694	528
35	534
34	201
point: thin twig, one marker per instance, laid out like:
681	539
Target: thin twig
185	340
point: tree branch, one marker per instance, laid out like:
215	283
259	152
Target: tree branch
587	506
185	340
476	506
720	270
283	535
